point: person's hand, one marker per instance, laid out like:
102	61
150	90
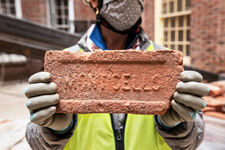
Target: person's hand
42	100
187	100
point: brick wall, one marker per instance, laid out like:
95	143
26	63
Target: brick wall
83	11
148	18
84	16
35	11
208	35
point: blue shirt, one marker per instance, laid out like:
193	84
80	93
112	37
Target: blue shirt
98	40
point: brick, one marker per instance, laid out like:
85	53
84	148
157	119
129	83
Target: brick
212	101
148	18
82	11
207	37
220	84
30	9
210	108
138	82
207	48
214	90
215	114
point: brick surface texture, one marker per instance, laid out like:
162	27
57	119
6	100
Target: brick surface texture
82	11
208	35
35	11
148	18
138	82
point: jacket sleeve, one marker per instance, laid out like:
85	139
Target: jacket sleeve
42	138
185	136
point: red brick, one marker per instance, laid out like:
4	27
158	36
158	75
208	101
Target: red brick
210	108
212	101
215	114
82	11
208	37
35	11
148	18
138	82
214	90
221	98
220	84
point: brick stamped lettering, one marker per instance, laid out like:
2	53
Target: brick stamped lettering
138	82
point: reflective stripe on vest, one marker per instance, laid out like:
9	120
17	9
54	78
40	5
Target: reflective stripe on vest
95	132
151	47
68	49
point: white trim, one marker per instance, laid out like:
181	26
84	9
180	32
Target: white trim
71	16
48	10
158	25
176	14
52	13
18	8
187	60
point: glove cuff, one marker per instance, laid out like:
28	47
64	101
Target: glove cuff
165	126
66	129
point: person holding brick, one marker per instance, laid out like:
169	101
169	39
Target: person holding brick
118	27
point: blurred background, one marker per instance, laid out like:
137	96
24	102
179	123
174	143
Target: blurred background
28	28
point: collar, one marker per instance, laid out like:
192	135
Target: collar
98	40
82	43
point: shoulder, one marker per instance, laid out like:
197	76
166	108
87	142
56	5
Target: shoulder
82	44
158	47
146	43
75	48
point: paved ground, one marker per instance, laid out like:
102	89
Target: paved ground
14	117
214	134
12	102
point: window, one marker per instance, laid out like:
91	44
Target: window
11	7
176	24
61	14
8	7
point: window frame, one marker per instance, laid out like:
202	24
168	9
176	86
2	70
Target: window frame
52	16
17	6
160	30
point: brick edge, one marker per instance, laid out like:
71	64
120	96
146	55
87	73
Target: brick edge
112	106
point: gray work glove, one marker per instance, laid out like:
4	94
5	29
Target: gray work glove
42	100
187	99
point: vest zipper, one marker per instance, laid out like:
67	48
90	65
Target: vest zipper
119	134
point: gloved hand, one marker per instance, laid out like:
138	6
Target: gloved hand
42	98
187	100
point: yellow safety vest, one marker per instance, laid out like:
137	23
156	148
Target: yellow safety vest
95	132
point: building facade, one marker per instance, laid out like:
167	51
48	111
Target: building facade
195	27
68	15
